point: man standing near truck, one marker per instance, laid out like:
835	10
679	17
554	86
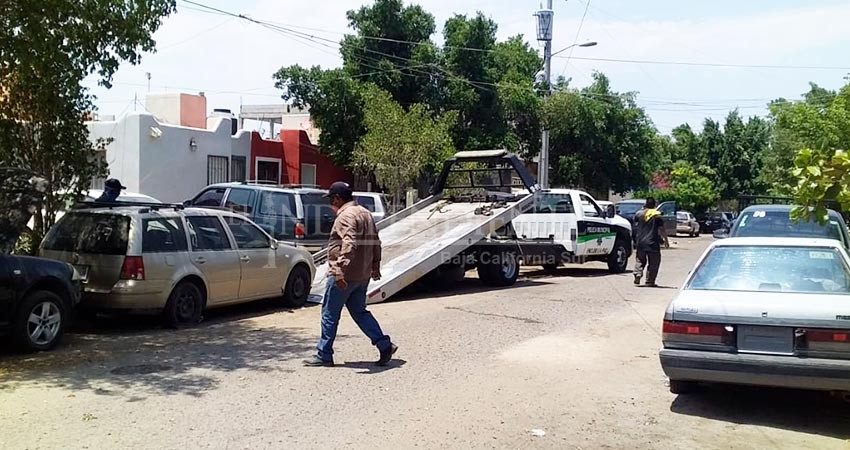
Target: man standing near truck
649	234
354	257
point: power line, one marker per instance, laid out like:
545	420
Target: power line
699	64
575	41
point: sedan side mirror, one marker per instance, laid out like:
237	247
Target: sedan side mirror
274	244
187	202
721	234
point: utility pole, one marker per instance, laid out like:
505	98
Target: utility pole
148	74
544	34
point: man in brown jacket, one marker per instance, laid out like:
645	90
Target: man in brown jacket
354	257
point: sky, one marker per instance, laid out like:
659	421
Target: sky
232	60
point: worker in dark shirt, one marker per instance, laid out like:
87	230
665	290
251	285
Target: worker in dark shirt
649	234
111	190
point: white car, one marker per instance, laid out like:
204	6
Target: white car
762	311
375	202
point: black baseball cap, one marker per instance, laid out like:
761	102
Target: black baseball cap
112	183
340	188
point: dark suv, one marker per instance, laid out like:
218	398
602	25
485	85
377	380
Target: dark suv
301	215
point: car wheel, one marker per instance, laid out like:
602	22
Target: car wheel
618	260
185	306
681	387
297	287
502	271
40	322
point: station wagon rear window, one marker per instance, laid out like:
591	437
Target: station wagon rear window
87	233
773	268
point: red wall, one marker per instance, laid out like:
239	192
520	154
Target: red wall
298	150
266	149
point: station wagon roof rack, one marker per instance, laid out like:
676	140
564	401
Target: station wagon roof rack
120	204
278	185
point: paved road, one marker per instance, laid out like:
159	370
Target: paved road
573	354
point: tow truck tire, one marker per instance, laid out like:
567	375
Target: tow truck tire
618	259
502	271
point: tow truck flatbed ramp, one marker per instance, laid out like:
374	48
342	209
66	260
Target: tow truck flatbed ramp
431	232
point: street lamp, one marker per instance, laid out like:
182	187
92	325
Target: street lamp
585	44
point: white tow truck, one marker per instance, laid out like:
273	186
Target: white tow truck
457	228
569	226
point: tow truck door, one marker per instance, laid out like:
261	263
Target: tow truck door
595	235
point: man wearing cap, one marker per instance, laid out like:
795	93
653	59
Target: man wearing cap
111	190
354	257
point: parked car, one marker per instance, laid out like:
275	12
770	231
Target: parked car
775	221
628	208
762	311
686	224
37	300
298	214
375	202
716	221
176	262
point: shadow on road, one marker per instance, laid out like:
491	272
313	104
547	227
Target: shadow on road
800	411
133	357
424	290
370	368
574	272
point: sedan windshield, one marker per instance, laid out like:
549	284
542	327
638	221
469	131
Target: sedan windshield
774	268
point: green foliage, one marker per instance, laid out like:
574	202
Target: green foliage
690	187
821	126
400	145
600	139
391	48
45	53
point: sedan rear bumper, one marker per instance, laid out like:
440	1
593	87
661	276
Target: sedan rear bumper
760	370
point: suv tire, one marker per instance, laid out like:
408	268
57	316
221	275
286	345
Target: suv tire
40	321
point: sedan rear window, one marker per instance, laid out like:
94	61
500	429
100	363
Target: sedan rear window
779	224
366	202
104	234
773	268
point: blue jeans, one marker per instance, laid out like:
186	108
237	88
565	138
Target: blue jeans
354	298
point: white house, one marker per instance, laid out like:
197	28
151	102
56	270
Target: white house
173	162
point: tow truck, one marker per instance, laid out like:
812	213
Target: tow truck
460	226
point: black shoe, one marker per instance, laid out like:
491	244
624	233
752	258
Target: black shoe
318	362
637	279
387	355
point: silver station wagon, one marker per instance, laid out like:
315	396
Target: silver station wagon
175	261
762	311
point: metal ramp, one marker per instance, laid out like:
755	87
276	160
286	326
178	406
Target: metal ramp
420	238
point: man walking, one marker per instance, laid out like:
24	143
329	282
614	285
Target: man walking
354	257
649	233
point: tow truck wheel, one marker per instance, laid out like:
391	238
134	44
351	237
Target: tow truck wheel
618	260
501	270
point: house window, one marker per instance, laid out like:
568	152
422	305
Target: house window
308	174
217	169
237	168
268	170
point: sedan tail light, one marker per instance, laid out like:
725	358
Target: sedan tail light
133	268
697	334
828	342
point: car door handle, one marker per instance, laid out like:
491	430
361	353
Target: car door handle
200	260
245	259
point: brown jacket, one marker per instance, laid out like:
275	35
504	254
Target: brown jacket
354	249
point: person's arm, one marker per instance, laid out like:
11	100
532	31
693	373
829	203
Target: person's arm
346	228
375	241
662	231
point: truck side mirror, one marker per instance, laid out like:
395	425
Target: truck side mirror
610	212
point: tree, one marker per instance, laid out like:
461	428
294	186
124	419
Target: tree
399	145
690	187
823	169
336	106
45	53
600	139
